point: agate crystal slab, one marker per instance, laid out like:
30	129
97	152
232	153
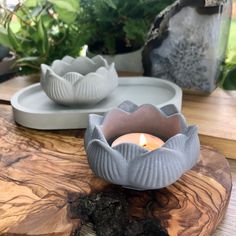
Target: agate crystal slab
131	165
187	43
76	81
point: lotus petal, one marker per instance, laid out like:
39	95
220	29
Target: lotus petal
58	89
94	120
89	90
107	162
68	59
102	71
60	67
99	61
159	168
112	75
130	151
97	134
128	106
73	78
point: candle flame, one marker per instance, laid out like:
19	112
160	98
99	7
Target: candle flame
142	140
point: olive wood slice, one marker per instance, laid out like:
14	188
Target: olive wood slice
40	169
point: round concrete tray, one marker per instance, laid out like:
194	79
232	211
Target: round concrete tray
32	108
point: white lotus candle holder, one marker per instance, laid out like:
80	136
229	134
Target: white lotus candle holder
132	165
76	81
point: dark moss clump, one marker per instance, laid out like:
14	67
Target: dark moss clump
108	212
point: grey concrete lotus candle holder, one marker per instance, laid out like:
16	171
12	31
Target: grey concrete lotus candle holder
134	166
73	81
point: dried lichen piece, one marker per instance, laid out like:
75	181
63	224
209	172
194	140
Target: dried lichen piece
108	213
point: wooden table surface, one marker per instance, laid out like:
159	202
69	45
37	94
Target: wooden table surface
215	115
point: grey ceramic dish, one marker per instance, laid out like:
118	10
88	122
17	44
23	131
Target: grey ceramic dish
131	165
75	81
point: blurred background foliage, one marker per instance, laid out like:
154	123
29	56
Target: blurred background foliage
40	31
228	80
118	26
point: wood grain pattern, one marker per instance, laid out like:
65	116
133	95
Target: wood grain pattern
188	206
11	86
38	169
215	116
228	225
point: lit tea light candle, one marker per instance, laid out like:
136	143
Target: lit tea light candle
144	140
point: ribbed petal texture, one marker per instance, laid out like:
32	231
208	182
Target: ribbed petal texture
93	121
58	90
130	151
107	163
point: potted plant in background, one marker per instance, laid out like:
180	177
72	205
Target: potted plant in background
40	31
118	27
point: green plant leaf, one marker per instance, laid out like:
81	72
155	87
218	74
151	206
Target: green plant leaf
4	38
111	4
27	59
15	25
230	79
36	11
231	56
136	30
111	45
13	39
66	16
30	62
69	5
30	3
34	3
43	36
66	10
